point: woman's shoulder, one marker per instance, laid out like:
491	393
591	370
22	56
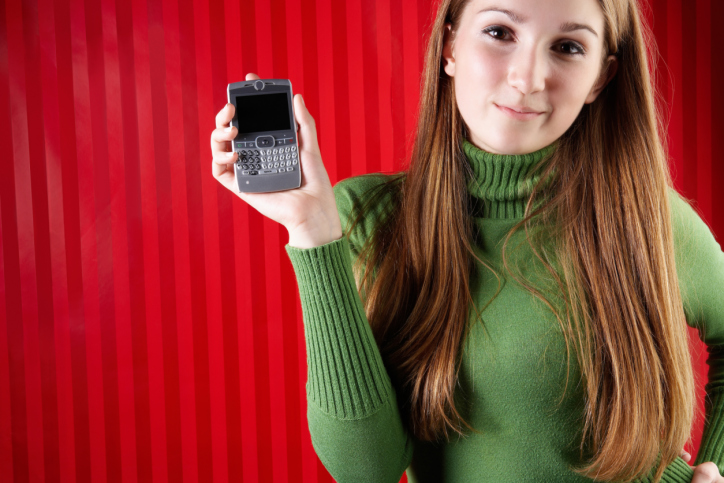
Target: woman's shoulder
360	186
699	266
690	229
377	188
373	194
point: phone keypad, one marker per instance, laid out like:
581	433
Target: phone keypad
283	157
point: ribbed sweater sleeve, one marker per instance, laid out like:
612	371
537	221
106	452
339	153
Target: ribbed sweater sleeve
352	409
700	268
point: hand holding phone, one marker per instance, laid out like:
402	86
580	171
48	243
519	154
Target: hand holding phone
309	212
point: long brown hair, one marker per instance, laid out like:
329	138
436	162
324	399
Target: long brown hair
609	250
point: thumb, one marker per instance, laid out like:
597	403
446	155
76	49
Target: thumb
307	127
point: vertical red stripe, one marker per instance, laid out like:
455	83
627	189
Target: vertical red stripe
55	44
717	122
14	450
370	62
52	329
75	425
166	254
6	442
224	366
357	88
385	117
211	436
22	61
151	246
193	390
116	159
105	284
398	99
689	95
410	72
342	94
40	77
703	85
425	17
94	467
138	442
674	60
327	117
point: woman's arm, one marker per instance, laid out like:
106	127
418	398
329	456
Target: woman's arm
352	409
700	268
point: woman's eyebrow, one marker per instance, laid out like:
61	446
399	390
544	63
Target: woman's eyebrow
516	18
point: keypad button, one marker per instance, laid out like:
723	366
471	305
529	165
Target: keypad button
290	169
276	165
288	163
253	172
245	172
276	158
294	162
294	148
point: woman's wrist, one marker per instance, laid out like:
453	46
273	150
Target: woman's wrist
310	237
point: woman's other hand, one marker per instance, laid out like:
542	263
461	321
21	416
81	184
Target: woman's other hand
704	473
707	473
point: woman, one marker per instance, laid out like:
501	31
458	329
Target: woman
536	221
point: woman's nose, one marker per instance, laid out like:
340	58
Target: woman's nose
527	70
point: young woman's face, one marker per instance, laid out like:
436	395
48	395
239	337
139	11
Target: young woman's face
525	55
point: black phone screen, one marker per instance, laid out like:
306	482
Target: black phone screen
263	112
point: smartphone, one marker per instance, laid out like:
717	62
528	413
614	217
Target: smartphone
267	138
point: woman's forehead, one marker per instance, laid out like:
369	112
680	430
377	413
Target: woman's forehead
565	15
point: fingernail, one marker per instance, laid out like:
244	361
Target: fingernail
228	129
230	155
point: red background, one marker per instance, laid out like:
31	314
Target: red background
150	326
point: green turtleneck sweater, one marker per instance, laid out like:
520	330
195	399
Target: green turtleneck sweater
512	377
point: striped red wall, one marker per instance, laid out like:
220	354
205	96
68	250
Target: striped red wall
150	326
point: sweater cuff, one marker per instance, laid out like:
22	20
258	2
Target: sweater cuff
711	447
346	376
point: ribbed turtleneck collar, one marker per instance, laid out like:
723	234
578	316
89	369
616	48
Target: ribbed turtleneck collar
498	182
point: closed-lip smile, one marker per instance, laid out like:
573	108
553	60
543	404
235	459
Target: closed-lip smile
520	113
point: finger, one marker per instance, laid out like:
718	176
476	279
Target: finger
225	158
307	126
706	473
224	174
251	76
225	115
221	138
685	456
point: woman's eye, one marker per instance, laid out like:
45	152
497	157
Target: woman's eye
571	48
497	32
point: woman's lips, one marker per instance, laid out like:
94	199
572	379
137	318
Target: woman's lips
521	116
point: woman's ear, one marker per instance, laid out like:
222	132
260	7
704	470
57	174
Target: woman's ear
603	80
448	57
